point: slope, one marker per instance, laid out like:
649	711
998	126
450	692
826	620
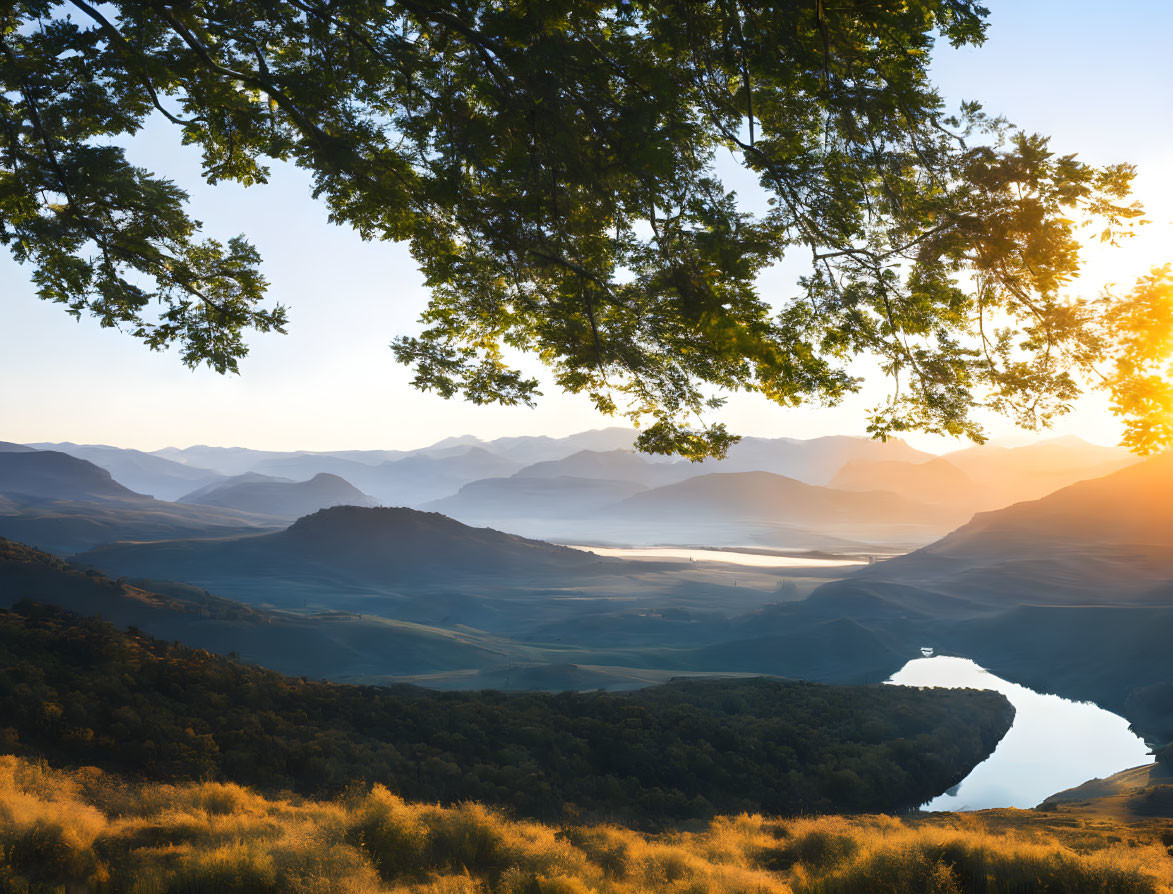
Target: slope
144	473
354	546
64	504
264	495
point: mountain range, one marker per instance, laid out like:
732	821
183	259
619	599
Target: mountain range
281	497
586	488
388	547
64	504
1048	591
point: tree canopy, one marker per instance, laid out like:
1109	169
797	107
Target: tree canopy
555	168
81	691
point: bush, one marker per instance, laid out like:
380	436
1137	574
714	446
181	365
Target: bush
85	831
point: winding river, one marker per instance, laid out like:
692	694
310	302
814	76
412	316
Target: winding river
1054	744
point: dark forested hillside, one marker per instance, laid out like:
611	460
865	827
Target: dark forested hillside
80	691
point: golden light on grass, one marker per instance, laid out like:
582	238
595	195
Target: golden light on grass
90	831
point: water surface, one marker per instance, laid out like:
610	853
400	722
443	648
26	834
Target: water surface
1054	744
730	557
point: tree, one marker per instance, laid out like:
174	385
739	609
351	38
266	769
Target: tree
553	167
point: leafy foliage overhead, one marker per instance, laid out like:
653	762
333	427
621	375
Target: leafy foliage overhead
555	169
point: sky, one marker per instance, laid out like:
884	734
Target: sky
1093	76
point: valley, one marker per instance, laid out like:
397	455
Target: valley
737	578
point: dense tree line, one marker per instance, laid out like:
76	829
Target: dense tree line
79	690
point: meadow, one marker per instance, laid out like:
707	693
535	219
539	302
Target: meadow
86	830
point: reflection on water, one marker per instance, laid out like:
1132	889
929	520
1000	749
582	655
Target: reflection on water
1053	745
730	557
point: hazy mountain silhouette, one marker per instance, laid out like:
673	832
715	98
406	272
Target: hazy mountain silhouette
936	481
1104	540
1010	474
500	501
64	504
144	473
42	475
410	481
987	477
765	496
612	465
9	447
386	547
279	496
814	461
528	449
224	460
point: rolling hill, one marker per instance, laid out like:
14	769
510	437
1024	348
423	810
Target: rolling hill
382	547
1012	474
814	460
1105	540
1071	593
611	465
410	481
279	497
767	497
336	646
142	472
935	482
63	504
512	502
46	475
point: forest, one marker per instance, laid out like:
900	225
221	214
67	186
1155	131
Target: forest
79	691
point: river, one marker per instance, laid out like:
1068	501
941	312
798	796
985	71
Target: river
1054	744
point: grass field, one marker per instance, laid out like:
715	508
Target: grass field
83	830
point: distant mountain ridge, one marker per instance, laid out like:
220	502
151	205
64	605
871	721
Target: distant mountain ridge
611	465
813	460
144	473
770	497
1107	540
42	475
936	481
506	501
574	489
280	497
64	504
987	477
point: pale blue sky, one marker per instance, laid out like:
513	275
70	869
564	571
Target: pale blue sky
1094	76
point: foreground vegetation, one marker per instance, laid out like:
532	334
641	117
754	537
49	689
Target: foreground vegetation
85	830
79	691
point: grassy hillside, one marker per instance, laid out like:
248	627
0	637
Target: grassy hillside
80	691
85	830
389	546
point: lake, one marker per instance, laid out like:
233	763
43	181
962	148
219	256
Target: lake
727	556
1054	744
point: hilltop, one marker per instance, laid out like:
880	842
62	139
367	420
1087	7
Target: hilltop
383	545
61	503
279	497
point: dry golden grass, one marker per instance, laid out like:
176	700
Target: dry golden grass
84	830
